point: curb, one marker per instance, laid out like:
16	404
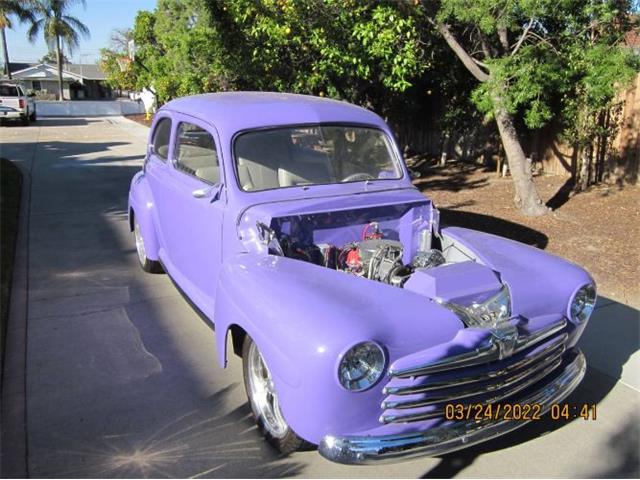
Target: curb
13	463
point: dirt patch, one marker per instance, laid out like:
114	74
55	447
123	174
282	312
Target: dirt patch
598	229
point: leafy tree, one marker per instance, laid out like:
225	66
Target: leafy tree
59	29
118	76
534	59
51	57
12	8
364	52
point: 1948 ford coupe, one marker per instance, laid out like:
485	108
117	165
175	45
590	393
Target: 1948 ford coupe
291	223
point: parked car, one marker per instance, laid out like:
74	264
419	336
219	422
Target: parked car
16	103
291	223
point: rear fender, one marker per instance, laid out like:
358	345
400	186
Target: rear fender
142	211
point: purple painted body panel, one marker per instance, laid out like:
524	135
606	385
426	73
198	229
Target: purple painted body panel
304	317
462	283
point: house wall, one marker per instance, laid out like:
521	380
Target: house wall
88	108
49	86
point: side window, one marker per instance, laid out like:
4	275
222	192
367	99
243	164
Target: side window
161	137
195	153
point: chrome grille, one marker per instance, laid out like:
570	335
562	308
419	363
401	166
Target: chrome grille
421	392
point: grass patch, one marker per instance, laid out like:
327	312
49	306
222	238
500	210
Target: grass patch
10	188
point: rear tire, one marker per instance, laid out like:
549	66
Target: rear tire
32	117
149	266
263	400
26	121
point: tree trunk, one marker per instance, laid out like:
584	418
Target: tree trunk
59	60
5	51
445	149
527	198
583	175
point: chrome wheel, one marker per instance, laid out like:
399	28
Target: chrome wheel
142	255
263	395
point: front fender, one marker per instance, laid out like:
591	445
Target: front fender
141	210
540	283
304	317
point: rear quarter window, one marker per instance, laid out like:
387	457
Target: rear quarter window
161	137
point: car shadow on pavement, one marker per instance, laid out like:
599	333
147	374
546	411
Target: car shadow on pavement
122	375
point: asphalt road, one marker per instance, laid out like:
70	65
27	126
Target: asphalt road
122	379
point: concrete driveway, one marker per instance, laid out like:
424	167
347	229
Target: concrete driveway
122	379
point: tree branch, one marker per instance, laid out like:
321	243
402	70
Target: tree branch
504	38
522	37
485	45
482	64
544	40
459	50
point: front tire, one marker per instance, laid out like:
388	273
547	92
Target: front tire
264	401
150	266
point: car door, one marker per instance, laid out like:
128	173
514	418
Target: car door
192	208
158	171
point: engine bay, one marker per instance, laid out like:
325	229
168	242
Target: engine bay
386	245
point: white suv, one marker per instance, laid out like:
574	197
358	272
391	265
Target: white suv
15	103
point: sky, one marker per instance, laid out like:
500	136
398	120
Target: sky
101	16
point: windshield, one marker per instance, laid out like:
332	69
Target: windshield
292	156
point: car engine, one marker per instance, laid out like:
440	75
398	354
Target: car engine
372	257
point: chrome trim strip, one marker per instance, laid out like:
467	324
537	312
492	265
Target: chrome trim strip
457	382
446	438
547	366
483	354
537	337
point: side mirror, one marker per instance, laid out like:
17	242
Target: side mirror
31	94
414	175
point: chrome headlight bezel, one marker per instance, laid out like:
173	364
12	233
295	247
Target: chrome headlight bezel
353	376
582	304
494	310
490	313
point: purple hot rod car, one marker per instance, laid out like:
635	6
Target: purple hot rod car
291	223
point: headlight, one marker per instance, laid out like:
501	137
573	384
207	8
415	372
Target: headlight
361	367
583	303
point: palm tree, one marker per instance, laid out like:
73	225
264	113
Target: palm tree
59	29
9	8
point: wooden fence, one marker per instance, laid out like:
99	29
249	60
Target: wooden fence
617	161
620	160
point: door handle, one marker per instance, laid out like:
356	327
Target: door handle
213	191
201	192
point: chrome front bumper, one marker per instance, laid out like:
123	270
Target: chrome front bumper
447	438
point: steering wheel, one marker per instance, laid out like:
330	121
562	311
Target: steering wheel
354	177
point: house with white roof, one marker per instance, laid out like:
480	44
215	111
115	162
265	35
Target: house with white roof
79	81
